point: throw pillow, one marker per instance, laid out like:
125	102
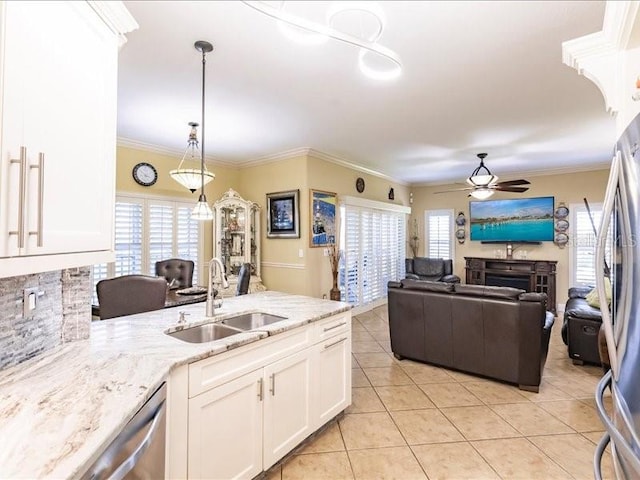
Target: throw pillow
594	300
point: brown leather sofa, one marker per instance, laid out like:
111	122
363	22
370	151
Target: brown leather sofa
431	269
497	332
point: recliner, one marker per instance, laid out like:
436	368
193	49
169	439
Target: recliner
130	294
431	269
177	270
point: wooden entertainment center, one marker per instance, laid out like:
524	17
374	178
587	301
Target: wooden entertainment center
530	275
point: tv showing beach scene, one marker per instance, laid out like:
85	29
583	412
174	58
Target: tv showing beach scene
512	220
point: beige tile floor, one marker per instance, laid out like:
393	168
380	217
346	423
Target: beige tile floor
414	421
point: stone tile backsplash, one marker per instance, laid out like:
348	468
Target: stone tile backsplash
63	313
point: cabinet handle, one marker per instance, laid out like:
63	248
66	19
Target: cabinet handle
273	384
22	193
40	167
326	329
335	343
260	389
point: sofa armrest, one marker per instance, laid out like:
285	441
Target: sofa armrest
412	276
451	279
579	292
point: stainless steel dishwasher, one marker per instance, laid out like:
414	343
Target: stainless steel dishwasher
138	451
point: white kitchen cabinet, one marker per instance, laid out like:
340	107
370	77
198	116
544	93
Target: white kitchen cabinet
333	379
249	407
232	410
57	169
288	405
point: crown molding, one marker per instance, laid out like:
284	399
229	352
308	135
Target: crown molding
172	152
116	16
529	173
275	157
595	55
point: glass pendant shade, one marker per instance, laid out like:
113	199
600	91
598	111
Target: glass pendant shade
482	180
202	210
482	193
191	178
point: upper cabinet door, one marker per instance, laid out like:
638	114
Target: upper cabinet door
58	126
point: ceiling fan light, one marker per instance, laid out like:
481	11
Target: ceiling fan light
482	180
482	193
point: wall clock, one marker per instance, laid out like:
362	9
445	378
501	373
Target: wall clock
360	184
145	174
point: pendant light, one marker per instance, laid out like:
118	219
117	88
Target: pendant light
202	210
191	177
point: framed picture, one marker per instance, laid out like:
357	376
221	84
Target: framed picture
322	218
283	214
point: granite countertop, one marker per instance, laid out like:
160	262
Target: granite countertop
60	410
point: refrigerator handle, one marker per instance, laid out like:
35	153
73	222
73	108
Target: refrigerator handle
597	456
621	444
601	242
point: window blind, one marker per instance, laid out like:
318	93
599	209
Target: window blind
439	233
373	246
584	244
149	230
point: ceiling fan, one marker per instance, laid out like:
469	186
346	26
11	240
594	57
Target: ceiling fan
483	185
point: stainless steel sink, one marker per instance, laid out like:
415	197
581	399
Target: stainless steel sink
205	333
250	321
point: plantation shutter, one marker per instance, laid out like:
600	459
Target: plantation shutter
373	246
439	233
584	243
161	217
128	241
187	237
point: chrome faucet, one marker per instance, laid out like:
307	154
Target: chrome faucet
210	290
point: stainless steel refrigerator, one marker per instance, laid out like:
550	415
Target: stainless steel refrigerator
621	216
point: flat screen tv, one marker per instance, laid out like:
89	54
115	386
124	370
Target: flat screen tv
512	220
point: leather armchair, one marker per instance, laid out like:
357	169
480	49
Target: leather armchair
177	270
431	269
581	327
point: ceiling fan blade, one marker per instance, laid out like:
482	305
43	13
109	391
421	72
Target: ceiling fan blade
455	190
510	183
511	189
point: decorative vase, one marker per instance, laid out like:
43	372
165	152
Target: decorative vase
334	294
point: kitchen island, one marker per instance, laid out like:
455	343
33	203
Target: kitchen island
59	411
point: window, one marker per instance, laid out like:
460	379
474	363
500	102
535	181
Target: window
439	233
373	249
148	230
584	242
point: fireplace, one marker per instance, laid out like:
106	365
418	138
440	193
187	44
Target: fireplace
521	282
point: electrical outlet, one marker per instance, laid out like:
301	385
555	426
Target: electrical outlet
326	252
29	301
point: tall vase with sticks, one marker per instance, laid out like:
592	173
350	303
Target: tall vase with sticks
414	240
334	260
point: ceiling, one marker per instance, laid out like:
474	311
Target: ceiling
477	77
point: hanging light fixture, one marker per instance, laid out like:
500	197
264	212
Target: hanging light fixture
191	177
477	179
202	210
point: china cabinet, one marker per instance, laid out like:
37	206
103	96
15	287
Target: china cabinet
236	238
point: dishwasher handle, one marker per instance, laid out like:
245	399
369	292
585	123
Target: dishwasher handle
126	466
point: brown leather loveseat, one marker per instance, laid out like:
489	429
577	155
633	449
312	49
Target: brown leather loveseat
498	332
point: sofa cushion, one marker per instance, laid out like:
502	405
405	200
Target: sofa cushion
487	291
428	267
593	299
427	286
579	292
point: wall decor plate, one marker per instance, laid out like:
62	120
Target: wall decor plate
460	233
461	220
561	212
561	239
562	225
